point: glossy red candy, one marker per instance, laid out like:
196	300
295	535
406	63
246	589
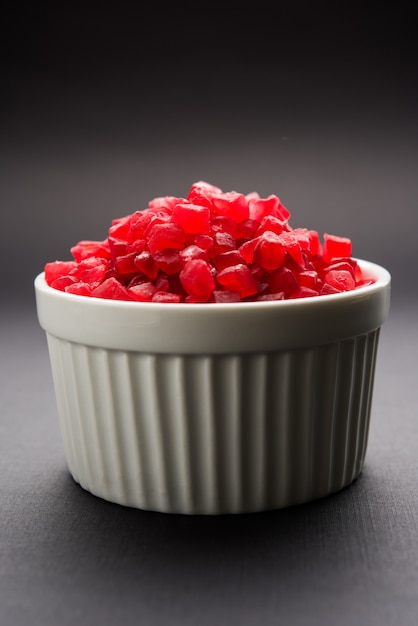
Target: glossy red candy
210	246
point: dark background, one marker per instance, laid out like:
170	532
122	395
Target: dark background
106	107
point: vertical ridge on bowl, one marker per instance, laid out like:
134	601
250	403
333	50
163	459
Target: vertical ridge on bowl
214	433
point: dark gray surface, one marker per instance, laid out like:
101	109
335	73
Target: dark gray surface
69	557
319	112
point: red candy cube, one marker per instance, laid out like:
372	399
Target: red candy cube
211	246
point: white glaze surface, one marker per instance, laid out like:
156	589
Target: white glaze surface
214	434
258	426
215	328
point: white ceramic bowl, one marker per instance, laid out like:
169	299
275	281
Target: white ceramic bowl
215	408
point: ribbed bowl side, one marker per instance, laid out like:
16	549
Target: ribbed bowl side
214	434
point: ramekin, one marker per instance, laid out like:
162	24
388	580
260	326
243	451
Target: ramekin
215	408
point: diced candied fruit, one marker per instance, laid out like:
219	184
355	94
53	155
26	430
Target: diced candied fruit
164	202
125	264
192	218
305	292
197	279
293	247
269	252
238	278
165	296
202	192
283	280
79	288
204	241
223	224
193	252
246	229
231	204
222	242
111	289
92	270
310	279
271	223
168	260
120	227
85	249
270	297
210	246
226	296
226	259
62	282
247	249
145	263
56	269
342	280
335	247
142	292
315	243
165	235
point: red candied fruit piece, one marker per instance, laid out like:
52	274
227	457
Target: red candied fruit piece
79	288
335	247
120	227
309	279
328	290
144	262
222	242
193	252
269	222
205	242
111	289
192	218
173	250
246	229
85	249
238	278
157	217
139	222
125	265
165	235
293	247
272	205
315	243
62	282
303	237
164	202
247	249
162	283
142	292
342	280
118	247
139	245
226	259
283	280
231	204
225	296
269	252
350	265
92	270
270	297
197	280
56	269
202	192
166	296
223	224
305	292
168	261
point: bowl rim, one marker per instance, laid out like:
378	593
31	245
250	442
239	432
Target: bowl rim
199	328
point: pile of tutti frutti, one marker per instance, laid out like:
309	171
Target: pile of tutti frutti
210	246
